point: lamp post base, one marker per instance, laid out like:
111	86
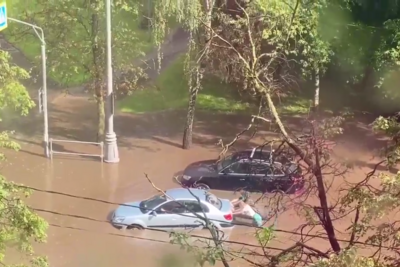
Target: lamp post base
111	154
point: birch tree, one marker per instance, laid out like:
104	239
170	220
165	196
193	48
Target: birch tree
199	49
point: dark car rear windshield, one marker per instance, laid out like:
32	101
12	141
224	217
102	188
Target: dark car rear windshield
293	169
225	162
213	200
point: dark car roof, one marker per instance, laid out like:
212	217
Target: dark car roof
262	154
255	152
258	149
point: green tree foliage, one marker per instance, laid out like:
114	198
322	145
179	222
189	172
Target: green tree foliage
391	128
366	52
76	42
348	258
316	49
248	48
13	94
196	17
199	49
20	226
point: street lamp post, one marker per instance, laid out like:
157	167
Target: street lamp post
43	92
111	154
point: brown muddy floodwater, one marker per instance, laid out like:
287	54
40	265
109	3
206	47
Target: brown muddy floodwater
94	243
82	242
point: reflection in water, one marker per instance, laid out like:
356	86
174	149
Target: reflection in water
112	177
49	174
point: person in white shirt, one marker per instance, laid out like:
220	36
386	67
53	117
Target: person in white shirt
243	206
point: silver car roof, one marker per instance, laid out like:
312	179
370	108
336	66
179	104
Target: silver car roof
183	193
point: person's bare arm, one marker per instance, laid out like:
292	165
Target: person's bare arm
235	201
236	212
240	209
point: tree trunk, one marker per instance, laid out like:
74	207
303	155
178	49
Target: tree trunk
148	14
326	219
188	131
195	84
316	88
101	118
98	61
316	170
316	75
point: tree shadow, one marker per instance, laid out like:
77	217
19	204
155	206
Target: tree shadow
77	157
372	166
167	127
74	152
74	118
358	133
79	124
32	153
163	141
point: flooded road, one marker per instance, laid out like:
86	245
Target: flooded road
79	233
92	241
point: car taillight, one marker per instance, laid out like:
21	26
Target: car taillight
228	217
297	179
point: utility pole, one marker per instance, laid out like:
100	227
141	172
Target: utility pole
111	154
43	92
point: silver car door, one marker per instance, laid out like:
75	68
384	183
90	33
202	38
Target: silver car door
194	207
165	216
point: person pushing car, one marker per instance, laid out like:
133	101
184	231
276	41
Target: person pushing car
244	206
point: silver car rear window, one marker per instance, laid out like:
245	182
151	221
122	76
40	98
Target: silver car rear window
213	200
152	203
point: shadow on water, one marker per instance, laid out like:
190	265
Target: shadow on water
72	154
80	158
42	155
74	118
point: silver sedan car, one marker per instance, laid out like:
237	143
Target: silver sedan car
175	211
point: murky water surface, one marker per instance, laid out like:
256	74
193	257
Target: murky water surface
74	241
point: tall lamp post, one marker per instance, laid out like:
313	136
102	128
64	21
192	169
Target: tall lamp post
43	92
111	154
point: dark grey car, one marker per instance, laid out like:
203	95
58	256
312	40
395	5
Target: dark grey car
255	170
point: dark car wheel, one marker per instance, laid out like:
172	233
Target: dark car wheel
135	227
202	186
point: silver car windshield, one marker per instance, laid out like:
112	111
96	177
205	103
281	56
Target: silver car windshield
151	203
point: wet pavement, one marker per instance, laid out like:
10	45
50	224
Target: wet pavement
79	234
92	241
149	143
